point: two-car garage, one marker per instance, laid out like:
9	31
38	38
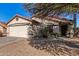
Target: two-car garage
18	27
18	31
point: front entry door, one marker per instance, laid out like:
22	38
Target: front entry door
64	29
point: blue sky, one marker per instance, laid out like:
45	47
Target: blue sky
77	17
8	10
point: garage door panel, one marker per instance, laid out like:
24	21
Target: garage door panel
18	31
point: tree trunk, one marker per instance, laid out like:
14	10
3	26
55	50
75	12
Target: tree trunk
74	24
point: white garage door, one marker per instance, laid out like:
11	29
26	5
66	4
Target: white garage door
18	31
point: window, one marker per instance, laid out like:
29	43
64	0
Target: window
56	29
17	19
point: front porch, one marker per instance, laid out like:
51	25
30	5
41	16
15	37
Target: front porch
64	30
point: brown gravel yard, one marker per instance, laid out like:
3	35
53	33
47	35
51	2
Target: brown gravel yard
10	46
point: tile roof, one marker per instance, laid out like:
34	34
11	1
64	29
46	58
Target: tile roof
59	19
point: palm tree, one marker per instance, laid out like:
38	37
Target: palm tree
46	9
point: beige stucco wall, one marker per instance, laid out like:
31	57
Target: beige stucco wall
20	21
20	30
71	31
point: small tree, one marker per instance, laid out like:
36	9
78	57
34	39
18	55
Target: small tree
47	9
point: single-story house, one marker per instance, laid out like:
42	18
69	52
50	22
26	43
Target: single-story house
18	26
61	26
3	28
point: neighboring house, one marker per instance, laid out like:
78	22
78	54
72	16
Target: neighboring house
18	26
61	26
3	29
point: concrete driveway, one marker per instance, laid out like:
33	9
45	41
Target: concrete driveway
8	40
